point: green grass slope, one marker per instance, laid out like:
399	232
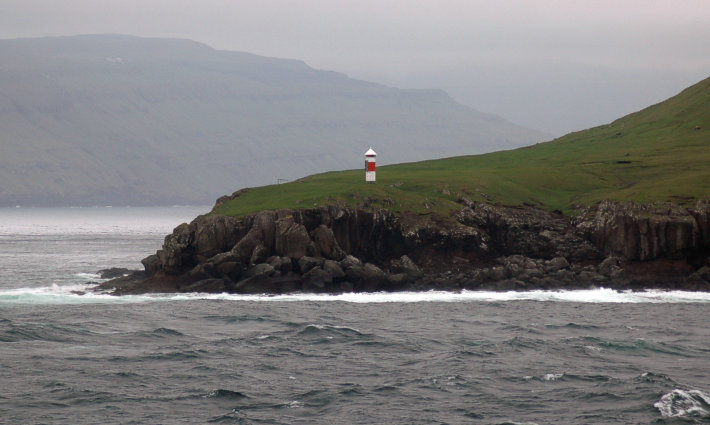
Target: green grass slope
661	153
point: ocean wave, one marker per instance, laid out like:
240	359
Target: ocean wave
319	334
89	276
82	293
64	294
226	394
679	402
552	376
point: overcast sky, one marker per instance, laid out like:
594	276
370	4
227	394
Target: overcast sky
556	66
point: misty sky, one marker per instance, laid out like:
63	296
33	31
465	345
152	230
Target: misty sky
557	66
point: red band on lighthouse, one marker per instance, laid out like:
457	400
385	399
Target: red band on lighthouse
370	156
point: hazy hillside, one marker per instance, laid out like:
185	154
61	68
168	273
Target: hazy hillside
108	119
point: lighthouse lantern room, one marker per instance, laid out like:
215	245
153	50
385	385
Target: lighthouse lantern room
370	156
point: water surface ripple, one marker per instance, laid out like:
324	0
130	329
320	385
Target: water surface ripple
68	356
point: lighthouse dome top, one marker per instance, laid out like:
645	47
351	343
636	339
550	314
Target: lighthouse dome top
370	152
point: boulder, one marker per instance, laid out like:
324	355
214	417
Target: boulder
199	272
262	269
534	272
259	255
244	249
212	234
608	266
369	275
345	286
350	261
231	269
306	263
212	285
151	263
514	260
497	273
354	273
513	268
325	243
316	279
283	265
177	252
222	257
266	224
333	269
557	263
292	239
702	273
398	280
114	272
258	284
373	278
287	283
563	275
405	265
589	277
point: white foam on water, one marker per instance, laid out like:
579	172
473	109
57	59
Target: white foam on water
90	276
684	403
65	294
552	376
82	293
601	295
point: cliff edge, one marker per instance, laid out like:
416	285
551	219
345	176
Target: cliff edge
336	248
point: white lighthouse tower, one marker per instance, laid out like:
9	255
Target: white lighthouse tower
370	156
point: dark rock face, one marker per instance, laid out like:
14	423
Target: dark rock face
326	244
646	232
113	273
333	249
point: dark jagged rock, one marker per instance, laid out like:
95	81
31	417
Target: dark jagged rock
255	285
317	280
326	244
335	248
283	265
113	272
292	239
262	269
644	232
305	263
333	269
206	285
406	267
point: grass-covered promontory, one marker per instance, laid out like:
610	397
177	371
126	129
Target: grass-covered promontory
661	153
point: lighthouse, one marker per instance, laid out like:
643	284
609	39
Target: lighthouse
370	156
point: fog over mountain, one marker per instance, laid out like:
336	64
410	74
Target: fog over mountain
122	120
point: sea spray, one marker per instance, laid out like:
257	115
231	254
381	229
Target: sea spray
83	293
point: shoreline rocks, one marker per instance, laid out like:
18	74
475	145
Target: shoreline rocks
339	249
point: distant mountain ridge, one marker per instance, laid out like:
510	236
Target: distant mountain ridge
123	120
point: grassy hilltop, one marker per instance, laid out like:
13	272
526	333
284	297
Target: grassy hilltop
661	153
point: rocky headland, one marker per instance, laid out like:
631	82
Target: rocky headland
337	248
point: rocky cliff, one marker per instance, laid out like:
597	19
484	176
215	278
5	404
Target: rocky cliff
336	248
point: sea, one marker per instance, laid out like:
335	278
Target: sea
72	356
